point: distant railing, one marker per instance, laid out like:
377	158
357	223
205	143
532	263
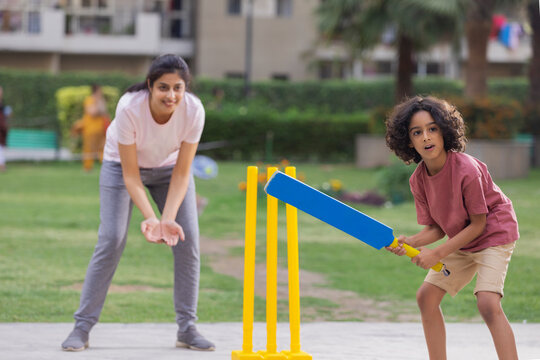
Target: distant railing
14	21
118	23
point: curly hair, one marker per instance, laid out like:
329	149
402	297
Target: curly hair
445	115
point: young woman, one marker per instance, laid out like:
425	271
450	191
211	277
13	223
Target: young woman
151	143
455	197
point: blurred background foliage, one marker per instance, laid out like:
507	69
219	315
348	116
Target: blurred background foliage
313	121
69	105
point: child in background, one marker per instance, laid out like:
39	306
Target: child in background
455	197
5	113
92	127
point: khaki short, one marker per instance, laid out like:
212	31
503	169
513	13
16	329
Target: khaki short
490	264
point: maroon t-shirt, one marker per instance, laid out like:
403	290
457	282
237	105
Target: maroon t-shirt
462	188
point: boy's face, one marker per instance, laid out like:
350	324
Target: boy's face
427	139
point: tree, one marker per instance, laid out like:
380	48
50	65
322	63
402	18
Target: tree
477	29
534	66
418	24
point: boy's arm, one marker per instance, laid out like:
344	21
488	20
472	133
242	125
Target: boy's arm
428	235
465	236
429	257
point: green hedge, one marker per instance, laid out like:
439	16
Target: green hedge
256	134
32	94
308	120
328	96
492	118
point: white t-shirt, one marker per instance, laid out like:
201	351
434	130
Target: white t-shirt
157	144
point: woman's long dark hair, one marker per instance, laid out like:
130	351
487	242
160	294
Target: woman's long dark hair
164	64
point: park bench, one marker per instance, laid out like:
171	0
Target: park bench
32	144
32	139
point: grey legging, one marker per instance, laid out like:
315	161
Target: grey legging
115	213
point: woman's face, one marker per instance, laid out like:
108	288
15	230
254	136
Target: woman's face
166	94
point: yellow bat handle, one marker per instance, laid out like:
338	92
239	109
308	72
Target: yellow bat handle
412	252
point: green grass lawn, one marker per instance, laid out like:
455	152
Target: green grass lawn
49	216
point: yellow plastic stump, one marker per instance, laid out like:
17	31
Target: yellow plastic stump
249	269
271	275
271	352
294	279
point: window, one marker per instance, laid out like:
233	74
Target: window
325	70
11	21
284	8
95	24
234	75
34	22
433	68
100	4
234	7
281	77
384	67
176	28
428	68
331	69
176	5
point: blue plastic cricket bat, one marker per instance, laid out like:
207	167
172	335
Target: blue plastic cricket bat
336	213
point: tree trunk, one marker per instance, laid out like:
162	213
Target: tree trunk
534	66
477	29
404	87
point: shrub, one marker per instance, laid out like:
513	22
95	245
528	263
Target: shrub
308	135
532	119
328	95
491	118
377	119
69	102
307	120
393	180
509	88
438	86
32	93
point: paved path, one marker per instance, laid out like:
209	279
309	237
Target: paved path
325	341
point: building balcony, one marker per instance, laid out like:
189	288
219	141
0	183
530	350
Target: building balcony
50	37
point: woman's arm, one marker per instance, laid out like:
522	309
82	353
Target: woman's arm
171	231
132	179
429	257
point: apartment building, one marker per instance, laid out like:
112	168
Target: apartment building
277	45
93	35
262	39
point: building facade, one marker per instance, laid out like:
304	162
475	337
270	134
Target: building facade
277	45
93	35
260	39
